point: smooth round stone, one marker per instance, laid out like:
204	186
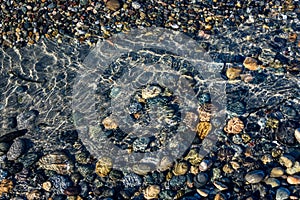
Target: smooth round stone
255	176
282	193
276	172
293	180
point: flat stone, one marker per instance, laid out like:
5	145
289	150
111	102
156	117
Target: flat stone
255	176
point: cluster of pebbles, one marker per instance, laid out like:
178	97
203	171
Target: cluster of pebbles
257	155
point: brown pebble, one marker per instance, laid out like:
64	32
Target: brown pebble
234	126
47	186
109	123
293	180
6	186
233	73
277	172
113	5
250	63
152	192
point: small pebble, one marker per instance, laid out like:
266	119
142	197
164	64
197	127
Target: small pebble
250	63
287	160
255	176
282	193
293	180
276	172
273	182
113	5
152	192
233	73
47	186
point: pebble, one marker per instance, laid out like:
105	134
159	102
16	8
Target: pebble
250	63
287	160
220	186
150	92
293	180
6	186
132	180
203	192
72	191
233	73
47	185
165	163
57	161
152	192
113	5
205	165
200	179
273	182
109	123
60	183
297	134
293	170
255	176
282	193
180	168
16	149
203	129
103	166
136	5
234	126
276	172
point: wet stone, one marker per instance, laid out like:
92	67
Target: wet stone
57	161
293	180
287	160
16	149
151	192
282	193
103	166
273	182
200	179
6	186
276	172
180	168
254	176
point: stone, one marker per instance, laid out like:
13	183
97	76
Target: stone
234	126
287	160
152	192
113	5
233	73
250	63
273	182
282	193
293	180
203	128
180	168
109	123
103	166
255	176
276	172
6	186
